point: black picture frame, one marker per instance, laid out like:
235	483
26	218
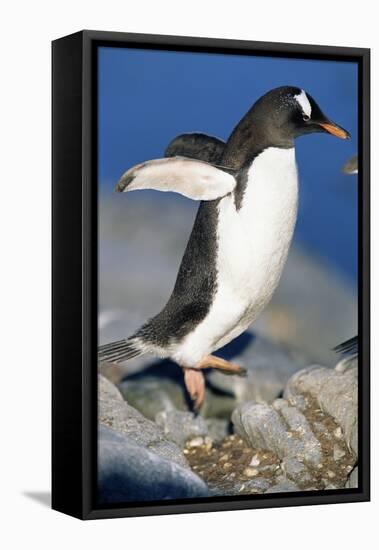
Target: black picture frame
74	333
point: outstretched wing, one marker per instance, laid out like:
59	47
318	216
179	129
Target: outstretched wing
192	178
196	146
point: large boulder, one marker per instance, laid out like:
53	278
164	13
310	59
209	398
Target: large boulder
115	413
312	430
129	472
283	430
179	426
151	394
336	392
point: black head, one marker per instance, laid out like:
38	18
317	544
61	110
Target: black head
290	112
275	120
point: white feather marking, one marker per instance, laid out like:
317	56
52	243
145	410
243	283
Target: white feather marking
253	244
303	101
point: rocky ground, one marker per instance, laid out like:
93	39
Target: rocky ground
287	426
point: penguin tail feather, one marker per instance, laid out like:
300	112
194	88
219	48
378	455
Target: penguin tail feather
120	351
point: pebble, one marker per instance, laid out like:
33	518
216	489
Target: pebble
338	433
208	442
331	474
250	472
255	461
195	442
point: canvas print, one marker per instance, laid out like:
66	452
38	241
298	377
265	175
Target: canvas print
227	275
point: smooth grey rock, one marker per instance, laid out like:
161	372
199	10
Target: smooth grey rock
129	472
218	428
115	413
151	395
179	426
337	394
268	366
160	387
263	427
108	391
284	486
218	404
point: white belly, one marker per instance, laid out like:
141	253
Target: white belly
253	244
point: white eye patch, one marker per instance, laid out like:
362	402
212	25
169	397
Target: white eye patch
303	101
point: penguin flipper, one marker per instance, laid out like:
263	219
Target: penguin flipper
196	146
194	179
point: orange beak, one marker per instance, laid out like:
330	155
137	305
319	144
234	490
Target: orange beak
335	130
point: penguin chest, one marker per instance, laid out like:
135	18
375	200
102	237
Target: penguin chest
253	240
252	247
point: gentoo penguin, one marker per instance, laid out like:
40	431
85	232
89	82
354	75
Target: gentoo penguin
349	349
242	232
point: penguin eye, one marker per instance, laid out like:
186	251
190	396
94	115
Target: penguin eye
306	117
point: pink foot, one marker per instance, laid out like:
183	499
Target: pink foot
195	384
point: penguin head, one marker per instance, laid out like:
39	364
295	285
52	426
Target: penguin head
291	112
